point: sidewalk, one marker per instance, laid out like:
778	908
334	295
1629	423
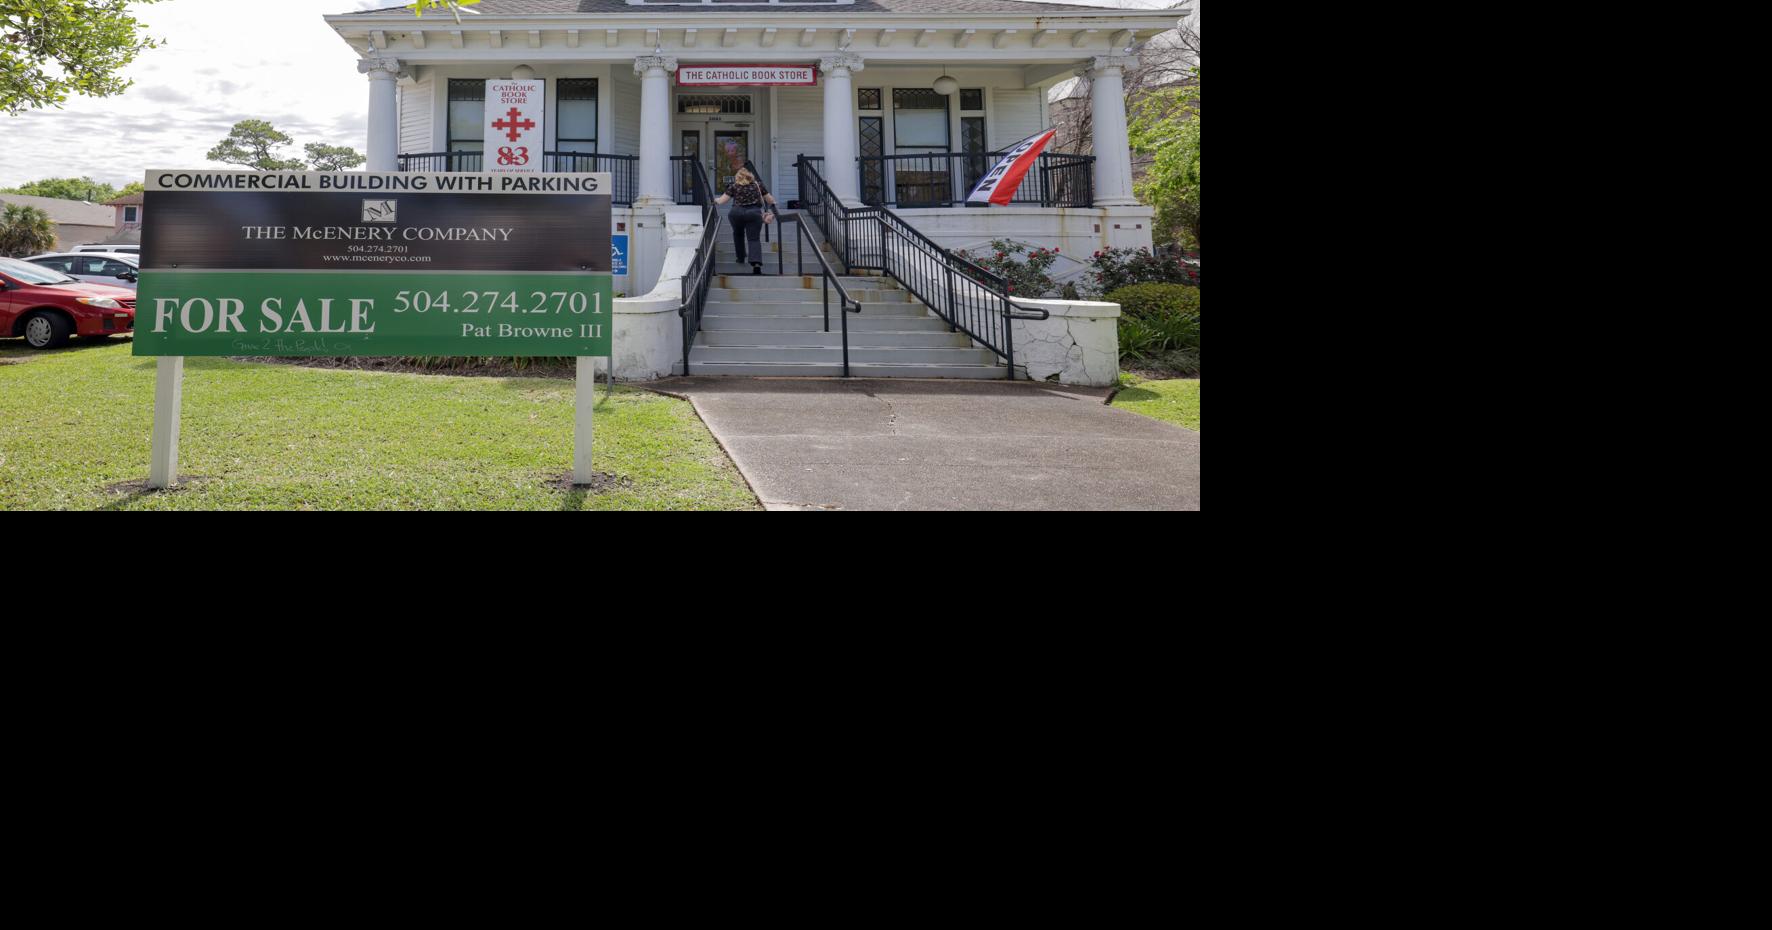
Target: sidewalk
836	444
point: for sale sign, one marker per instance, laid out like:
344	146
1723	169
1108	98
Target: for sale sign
515	136
343	263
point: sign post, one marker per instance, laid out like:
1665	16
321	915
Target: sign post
250	263
169	390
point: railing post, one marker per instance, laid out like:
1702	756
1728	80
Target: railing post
1009	337
952	307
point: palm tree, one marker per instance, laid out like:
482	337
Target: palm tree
25	231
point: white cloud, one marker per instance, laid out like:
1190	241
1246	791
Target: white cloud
224	61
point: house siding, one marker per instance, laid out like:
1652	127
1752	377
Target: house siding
800	131
415	117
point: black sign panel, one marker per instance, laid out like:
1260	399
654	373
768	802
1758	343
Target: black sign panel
394	231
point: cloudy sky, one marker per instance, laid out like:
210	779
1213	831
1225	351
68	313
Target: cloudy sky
224	61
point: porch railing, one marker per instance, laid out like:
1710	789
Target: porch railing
622	168
903	181
943	179
971	299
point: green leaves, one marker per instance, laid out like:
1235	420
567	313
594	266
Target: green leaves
52	49
25	231
1166	126
254	143
418	7
68	189
333	157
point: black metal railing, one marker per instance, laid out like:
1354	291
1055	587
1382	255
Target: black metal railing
971	299
623	169
943	179
845	303
701	272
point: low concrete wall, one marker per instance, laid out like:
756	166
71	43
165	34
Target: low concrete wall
1080	344
648	330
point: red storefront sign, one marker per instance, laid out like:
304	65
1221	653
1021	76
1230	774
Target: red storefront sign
746	75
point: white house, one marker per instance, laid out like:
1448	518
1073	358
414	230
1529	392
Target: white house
902	104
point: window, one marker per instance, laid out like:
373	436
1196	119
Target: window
869	98
467	114
576	121
919	120
129	214
972	100
729	104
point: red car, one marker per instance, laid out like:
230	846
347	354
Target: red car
46	307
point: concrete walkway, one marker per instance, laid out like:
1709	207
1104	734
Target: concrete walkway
836	444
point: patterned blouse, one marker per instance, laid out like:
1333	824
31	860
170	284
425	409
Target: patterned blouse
746	195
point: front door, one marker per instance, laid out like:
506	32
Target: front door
731	150
715	128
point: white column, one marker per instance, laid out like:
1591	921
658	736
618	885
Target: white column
655	128
839	125
1112	148
384	113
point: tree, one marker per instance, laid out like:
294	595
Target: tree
25	231
333	157
1165	61
68	189
133	187
50	49
254	144
1165	126
419	7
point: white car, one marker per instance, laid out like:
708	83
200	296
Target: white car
119	248
113	268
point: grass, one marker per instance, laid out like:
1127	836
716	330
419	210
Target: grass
75	421
1176	401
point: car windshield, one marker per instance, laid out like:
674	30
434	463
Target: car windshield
32	274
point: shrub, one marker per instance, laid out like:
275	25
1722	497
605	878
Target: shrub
1025	278
1112	269
1160	322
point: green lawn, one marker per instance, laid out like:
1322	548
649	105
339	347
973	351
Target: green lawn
1176	401
279	437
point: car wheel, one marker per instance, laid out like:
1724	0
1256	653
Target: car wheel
47	331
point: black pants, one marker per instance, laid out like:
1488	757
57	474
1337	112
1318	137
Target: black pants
747	223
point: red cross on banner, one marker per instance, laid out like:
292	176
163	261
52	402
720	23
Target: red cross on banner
514	124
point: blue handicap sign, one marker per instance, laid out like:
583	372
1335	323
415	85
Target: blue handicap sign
618	254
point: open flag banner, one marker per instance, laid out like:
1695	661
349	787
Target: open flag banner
998	184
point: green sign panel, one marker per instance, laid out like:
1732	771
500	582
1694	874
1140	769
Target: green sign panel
308	263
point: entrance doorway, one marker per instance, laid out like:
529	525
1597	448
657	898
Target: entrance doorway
715	129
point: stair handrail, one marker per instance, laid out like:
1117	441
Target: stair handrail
695	284
845	303
973	314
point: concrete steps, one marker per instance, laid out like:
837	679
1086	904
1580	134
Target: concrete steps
773	326
861	370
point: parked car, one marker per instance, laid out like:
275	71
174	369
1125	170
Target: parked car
110	268
47	307
116	247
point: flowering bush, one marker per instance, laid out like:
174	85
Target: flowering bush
1026	277
1112	269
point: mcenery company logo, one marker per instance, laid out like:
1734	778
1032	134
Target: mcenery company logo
379	211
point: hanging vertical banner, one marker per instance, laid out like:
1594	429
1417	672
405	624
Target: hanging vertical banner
515	136
998	184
